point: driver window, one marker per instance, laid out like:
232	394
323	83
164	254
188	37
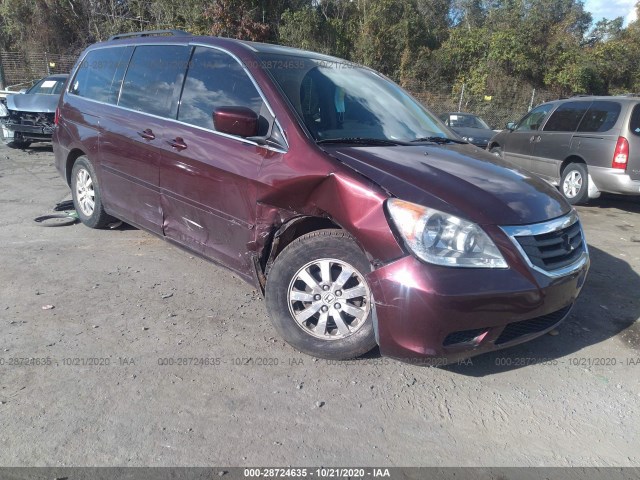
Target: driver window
214	79
533	120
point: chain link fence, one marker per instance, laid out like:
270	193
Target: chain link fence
20	70
502	105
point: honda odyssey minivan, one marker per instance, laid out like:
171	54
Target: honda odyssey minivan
363	219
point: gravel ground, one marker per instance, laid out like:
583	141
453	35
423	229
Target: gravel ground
131	300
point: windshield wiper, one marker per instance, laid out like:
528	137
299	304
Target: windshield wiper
440	140
362	141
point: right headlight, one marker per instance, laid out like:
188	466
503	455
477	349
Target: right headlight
443	239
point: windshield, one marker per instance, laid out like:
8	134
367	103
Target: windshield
339	100
47	87
458	120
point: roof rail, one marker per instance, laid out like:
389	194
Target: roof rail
149	33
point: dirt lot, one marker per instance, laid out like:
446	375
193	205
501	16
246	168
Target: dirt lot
131	300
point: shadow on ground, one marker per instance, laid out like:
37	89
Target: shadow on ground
608	306
630	204
38	148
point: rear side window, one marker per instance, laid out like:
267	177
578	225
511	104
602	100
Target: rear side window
600	117
215	79
567	117
154	78
99	76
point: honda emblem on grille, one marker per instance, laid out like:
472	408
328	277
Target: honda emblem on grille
566	243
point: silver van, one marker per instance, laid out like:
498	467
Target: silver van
583	145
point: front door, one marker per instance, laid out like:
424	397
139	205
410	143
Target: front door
519	144
208	179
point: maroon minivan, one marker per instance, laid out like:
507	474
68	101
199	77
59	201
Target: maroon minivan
360	215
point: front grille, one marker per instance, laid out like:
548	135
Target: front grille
554	250
535	325
462	336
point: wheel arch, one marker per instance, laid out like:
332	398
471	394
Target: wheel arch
283	235
289	231
568	161
74	154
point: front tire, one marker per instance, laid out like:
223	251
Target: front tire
86	195
18	143
318	297
574	184
497	151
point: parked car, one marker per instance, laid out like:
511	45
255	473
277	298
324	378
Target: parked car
584	145
324	184
470	127
29	115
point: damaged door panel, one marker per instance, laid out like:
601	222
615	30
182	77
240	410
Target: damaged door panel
214	215
208	177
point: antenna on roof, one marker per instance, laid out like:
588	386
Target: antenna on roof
150	33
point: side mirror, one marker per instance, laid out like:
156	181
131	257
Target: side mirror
23	90
511	126
240	121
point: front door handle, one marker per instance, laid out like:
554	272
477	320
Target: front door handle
147	134
177	143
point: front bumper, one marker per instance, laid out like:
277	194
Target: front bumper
29	129
612	180
27	126
435	315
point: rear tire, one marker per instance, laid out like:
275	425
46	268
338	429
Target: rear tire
574	183
85	189
318	297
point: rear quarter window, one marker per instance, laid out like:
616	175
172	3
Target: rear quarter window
601	117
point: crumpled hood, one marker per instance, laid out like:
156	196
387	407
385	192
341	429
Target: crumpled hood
36	103
459	179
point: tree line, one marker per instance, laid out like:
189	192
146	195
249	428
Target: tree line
487	45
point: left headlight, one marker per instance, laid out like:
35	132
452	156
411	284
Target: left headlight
442	239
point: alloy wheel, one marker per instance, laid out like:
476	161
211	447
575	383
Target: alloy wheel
329	299
85	193
572	184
